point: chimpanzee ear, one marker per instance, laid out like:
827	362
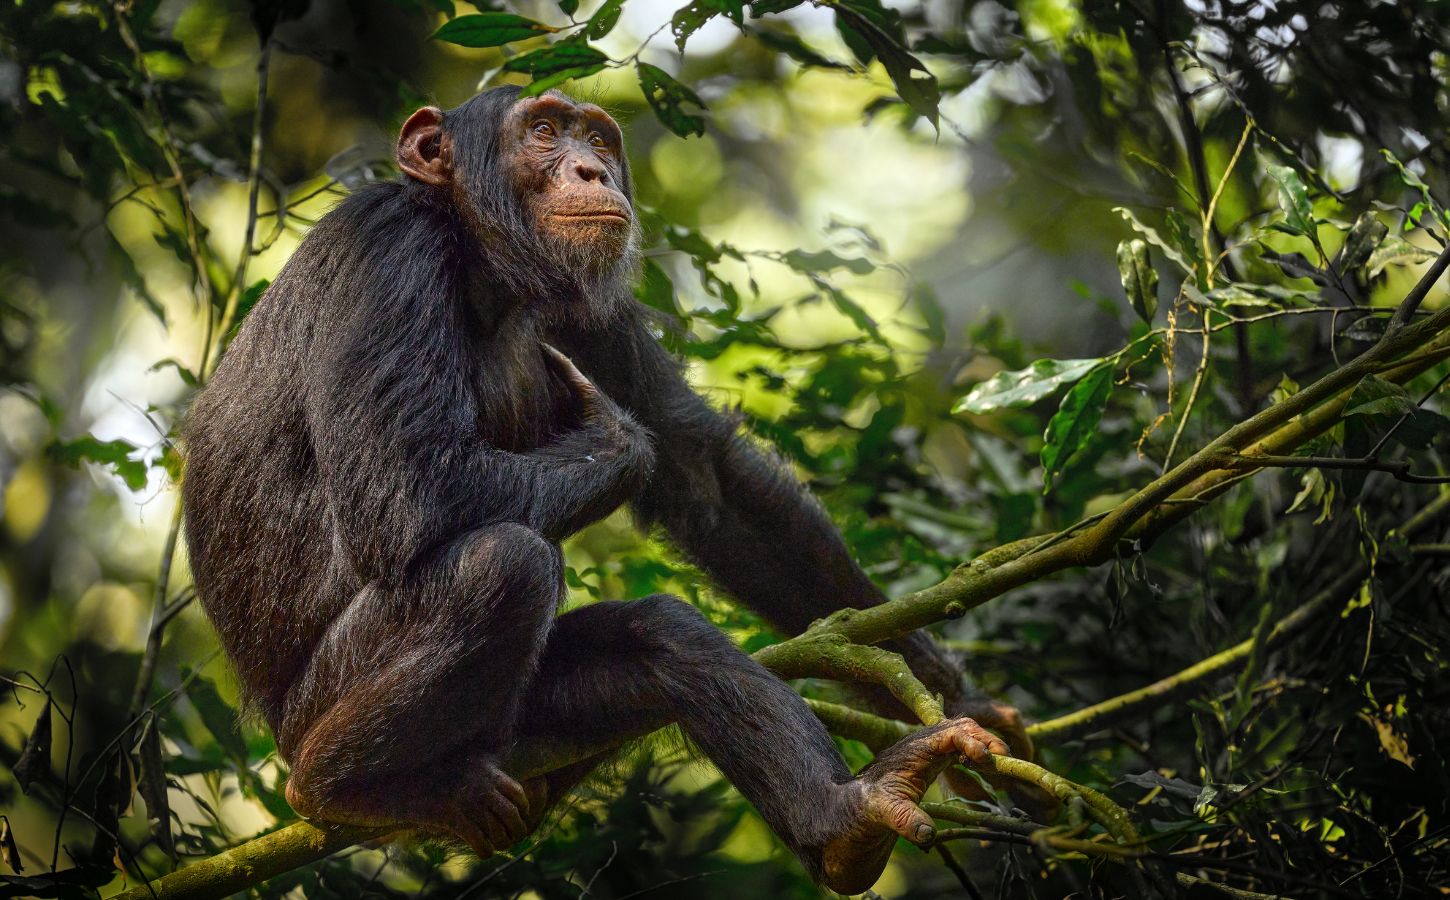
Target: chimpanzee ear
425	151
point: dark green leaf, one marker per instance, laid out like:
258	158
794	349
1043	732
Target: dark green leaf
868	23
604	19
490	29
220	719
558	57
791	46
153	786
1363	239
34	762
569	7
766	7
656	291
1375	396
668	98
1140	280
1075	422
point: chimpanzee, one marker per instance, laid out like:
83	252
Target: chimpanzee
380	473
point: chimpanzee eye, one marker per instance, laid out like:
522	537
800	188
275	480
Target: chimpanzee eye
543	129
597	140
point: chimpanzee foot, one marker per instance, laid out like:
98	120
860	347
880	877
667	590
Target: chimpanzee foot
489	810
889	790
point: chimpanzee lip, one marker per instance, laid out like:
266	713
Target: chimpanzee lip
594	214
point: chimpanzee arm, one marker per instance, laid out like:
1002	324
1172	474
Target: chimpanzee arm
736	511
395	423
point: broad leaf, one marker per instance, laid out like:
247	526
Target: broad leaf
1076	421
1140	280
490	29
1024	387
1293	199
866	23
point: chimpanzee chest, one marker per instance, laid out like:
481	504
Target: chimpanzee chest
523	406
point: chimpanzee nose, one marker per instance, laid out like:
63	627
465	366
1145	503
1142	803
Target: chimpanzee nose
589	169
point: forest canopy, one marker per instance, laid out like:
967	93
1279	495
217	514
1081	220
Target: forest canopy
1110	334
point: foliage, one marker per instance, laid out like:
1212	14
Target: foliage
1248	191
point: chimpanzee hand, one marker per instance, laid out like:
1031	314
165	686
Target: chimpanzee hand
597	411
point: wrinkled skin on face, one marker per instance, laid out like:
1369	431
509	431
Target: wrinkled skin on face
564	161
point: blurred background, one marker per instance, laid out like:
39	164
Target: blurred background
968	233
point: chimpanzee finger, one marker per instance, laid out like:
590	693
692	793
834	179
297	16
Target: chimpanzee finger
1006	721
588	393
475	838
908	820
510	789
510	816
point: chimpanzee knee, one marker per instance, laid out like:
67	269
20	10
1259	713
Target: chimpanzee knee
509	561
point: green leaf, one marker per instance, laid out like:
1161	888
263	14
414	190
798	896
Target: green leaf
1375	396
791	46
553	65
1140	280
1075	422
668	98
913	81
556	58
490	29
1293	199
846	306
1396	251
656	291
1024	387
1154	238
604	19
114	453
188	377
826	261
569	7
934	323
690	19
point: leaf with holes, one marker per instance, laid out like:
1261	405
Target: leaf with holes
689	19
668	98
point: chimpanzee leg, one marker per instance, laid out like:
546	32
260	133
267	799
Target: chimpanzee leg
414	688
617	670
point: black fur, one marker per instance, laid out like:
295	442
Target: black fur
380	473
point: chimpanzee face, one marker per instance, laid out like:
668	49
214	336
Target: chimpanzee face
565	163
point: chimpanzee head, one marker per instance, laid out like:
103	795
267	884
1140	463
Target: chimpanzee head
542	180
